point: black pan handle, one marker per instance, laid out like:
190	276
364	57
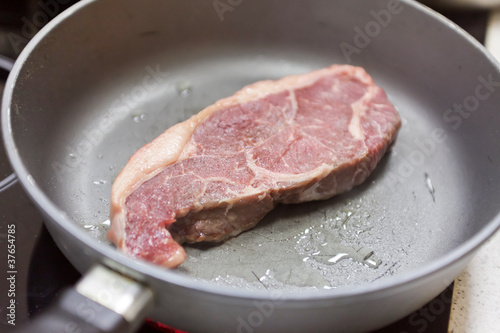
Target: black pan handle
102	301
76	313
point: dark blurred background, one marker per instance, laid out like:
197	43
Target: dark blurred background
21	19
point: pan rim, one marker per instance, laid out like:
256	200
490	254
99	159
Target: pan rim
361	293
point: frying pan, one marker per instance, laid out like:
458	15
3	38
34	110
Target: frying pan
106	77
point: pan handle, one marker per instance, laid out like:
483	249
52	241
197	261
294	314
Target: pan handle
102	301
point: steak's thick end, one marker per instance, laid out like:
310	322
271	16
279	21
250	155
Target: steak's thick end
304	137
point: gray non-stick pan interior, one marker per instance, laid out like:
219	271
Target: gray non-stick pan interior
116	74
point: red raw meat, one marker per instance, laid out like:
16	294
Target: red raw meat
302	138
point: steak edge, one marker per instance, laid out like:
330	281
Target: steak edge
301	138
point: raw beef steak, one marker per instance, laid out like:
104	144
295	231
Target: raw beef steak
304	137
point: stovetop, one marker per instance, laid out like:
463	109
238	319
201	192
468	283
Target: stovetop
41	271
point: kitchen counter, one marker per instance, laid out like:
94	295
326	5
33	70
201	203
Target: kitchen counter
476	295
